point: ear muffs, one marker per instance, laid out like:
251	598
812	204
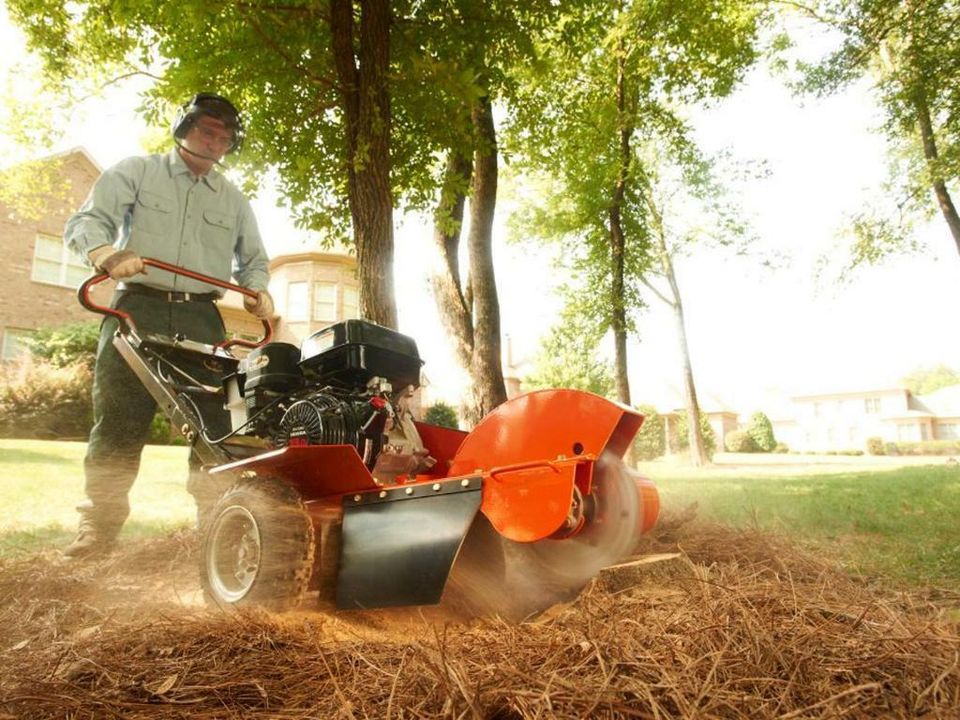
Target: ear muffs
212	105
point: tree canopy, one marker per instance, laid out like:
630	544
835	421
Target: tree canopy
910	50
929	379
601	124
355	106
366	108
568	358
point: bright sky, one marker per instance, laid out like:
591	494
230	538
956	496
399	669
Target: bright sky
755	338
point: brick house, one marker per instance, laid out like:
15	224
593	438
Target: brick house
40	275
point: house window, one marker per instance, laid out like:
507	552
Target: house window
55	264
872	405
816	409
325	301
906	432
13	344
351	303
948	431
297	302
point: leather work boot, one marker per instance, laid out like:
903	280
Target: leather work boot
90	542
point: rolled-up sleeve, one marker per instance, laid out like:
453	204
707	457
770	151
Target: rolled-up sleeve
100	218
250	257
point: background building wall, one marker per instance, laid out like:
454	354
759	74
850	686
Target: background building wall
28	303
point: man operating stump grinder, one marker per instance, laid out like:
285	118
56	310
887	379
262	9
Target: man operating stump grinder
176	208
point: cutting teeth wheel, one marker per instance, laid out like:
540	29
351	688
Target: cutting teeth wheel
610	532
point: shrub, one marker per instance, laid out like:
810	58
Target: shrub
568	358
928	447
162	433
782	448
67	344
761	430
875	446
740	441
706	430
851	452
40	400
441	414
649	442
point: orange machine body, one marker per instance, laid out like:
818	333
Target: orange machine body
533	453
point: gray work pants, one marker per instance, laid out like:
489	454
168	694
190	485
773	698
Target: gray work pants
123	409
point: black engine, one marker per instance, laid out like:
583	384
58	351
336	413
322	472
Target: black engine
335	390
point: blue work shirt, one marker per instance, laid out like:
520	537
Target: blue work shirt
155	206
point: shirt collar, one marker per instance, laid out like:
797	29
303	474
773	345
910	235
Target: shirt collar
177	166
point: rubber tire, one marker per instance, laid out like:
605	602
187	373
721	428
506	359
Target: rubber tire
268	515
549	571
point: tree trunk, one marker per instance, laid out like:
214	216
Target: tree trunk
486	370
618	311
698	453
471	311
932	156
365	101
455	310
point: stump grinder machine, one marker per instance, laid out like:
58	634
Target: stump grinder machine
316	496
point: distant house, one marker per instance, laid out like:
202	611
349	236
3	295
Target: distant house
845	420
310	290
721	420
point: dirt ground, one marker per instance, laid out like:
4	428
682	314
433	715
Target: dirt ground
720	624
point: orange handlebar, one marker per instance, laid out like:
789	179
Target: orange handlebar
83	295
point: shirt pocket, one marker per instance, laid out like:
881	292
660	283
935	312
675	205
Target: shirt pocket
154	201
154	213
217	225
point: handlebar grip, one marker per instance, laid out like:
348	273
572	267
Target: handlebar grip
83	295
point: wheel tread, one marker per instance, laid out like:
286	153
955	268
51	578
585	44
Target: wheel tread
281	583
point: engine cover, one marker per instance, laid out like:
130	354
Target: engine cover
350	353
325	419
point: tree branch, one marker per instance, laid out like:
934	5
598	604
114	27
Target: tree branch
656	291
118	79
320	80
295	9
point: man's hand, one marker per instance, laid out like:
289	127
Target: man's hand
425	461
119	264
261	305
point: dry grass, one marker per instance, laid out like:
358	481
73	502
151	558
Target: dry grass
742	625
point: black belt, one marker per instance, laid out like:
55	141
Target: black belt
169	295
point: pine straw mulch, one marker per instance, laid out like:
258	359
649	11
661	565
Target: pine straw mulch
738	625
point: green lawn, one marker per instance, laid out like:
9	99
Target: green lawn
902	523
41	483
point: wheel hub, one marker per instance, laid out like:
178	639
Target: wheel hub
233	561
